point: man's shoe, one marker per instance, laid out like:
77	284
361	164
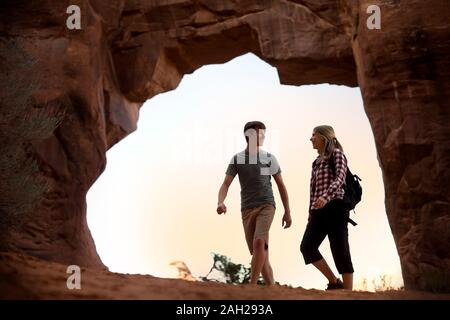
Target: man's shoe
334	286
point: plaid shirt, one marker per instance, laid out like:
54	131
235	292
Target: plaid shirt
324	183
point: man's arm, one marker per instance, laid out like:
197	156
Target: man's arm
221	207
287	220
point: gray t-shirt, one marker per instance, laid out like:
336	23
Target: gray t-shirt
255	173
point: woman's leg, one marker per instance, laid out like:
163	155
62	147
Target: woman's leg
338	236
348	281
314	235
323	267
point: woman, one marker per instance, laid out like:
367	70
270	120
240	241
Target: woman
327	212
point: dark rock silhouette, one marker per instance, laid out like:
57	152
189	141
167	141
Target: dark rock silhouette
129	51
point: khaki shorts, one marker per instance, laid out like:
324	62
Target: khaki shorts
257	223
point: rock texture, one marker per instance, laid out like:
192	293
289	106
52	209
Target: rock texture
404	76
130	51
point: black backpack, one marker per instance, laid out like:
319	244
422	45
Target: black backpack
352	188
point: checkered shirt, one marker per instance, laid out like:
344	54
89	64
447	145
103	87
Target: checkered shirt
324	183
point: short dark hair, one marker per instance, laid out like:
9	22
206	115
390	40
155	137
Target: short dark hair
253	125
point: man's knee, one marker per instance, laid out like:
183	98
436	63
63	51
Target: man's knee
260	244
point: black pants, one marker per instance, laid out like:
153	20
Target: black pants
331	220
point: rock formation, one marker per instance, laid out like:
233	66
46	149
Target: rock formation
128	51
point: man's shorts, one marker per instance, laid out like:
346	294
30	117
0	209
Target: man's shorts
257	223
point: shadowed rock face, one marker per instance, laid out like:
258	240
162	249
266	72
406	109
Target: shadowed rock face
129	51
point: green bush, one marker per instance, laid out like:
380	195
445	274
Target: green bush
232	273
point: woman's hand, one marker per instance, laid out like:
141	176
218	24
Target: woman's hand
320	203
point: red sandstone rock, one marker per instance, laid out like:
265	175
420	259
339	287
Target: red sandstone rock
129	51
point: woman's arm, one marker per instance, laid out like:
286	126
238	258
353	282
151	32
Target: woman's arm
340	163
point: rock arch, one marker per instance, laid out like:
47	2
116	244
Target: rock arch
129	51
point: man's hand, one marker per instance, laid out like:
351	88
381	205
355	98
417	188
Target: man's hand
320	203
287	220
221	208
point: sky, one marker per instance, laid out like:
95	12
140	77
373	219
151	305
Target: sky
156	200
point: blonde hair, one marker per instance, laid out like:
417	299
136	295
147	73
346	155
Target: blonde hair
331	143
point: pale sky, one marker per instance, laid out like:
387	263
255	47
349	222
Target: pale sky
156	200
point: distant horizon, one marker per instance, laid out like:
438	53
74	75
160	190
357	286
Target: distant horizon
155	202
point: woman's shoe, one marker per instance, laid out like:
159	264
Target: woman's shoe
334	286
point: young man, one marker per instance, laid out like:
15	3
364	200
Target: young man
255	168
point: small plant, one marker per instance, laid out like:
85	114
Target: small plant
364	284
384	283
381	283
231	272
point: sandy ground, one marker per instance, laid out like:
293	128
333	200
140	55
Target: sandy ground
25	277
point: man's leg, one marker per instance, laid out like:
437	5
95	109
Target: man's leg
261	244
267	271
258	259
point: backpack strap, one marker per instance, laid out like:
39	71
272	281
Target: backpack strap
333	169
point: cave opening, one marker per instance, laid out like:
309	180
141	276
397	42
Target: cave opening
155	201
